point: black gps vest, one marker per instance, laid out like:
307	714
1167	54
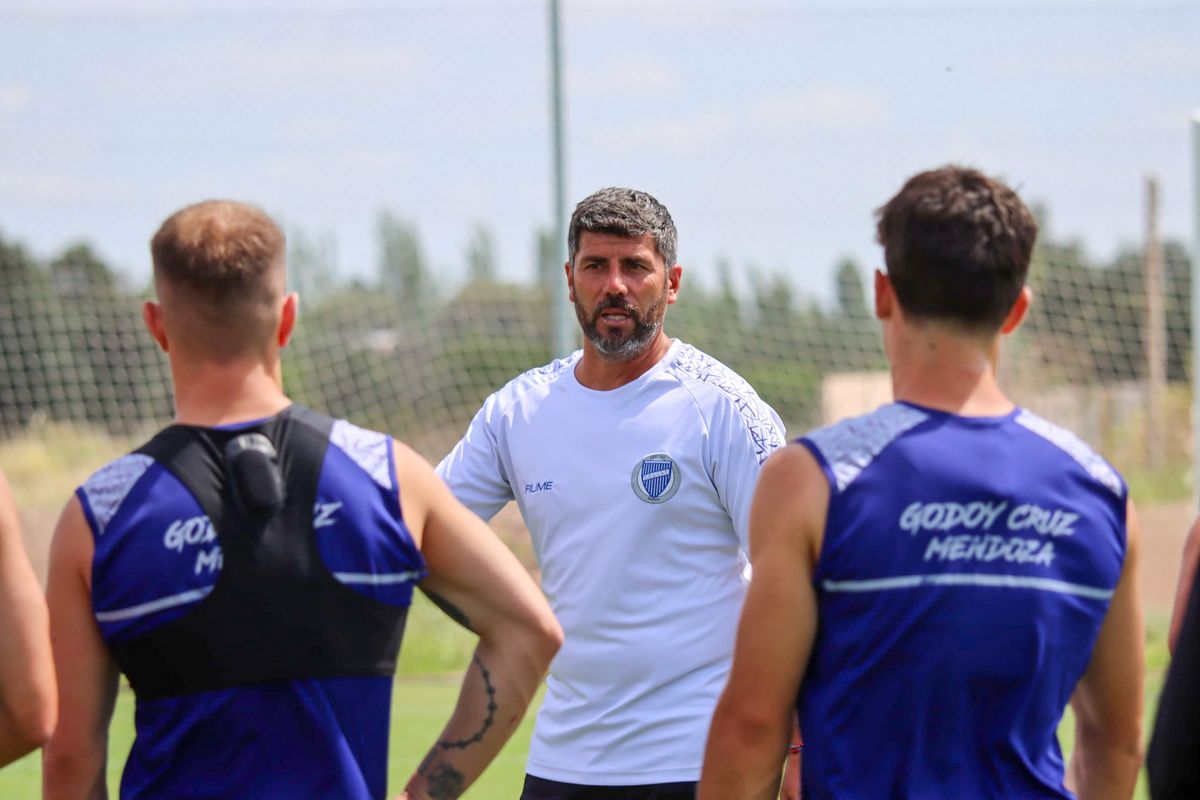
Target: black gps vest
276	612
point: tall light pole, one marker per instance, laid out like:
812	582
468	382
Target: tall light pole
560	332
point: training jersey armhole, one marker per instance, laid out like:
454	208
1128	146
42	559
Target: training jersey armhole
398	507
90	518
1123	524
394	496
87	510
391	499
388	482
825	466
834	494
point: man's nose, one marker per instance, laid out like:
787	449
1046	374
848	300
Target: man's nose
615	282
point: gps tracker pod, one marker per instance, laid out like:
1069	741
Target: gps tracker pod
253	472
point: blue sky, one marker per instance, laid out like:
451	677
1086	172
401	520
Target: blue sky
770	129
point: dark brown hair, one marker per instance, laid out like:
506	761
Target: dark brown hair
957	245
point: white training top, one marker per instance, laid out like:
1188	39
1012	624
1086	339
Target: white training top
637	500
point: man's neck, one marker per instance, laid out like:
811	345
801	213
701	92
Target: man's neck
939	370
602	375
210	394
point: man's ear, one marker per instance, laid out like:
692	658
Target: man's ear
152	315
1016	314
674	277
885	296
287	319
570	281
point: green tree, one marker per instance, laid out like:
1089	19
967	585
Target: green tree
402	268
851	296
549	259
17	267
849	340
311	265
481	255
774	300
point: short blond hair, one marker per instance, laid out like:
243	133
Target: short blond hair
219	267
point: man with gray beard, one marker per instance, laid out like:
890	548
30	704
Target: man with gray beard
633	462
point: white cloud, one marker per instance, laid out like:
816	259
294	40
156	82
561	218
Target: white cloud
630	77
674	135
827	107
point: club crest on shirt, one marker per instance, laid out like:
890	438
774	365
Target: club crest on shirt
655	478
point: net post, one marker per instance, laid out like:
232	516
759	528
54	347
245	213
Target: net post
1154	339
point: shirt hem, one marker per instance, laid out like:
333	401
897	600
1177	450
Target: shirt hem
616	778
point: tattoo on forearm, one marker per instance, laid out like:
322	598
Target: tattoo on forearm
444	782
452	611
463	744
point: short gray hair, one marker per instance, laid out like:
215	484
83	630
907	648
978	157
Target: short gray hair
624	212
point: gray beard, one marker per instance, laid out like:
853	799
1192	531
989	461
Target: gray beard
618	347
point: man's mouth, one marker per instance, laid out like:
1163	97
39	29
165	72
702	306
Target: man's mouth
615	315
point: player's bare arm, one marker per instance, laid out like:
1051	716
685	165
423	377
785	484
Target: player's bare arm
1108	699
754	718
1187	576
480	584
790	789
27	698
74	762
